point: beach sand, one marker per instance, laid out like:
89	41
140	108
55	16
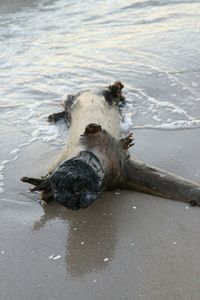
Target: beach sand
125	246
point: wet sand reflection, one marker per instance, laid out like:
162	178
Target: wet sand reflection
91	236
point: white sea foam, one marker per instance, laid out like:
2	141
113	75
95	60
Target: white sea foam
150	112
181	124
15	151
4	162
156	118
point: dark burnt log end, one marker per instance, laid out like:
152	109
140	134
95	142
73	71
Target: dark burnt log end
141	177
78	181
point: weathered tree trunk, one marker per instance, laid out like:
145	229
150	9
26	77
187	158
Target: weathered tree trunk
144	178
95	159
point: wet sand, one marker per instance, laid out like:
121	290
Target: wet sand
125	246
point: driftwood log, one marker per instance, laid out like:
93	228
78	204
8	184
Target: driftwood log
96	157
